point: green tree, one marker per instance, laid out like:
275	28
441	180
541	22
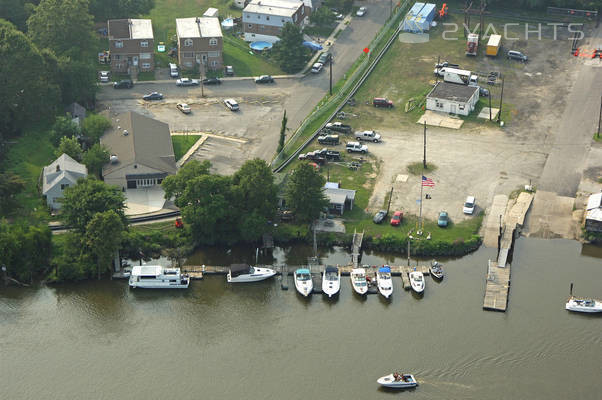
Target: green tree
289	50
72	258
94	126
63	127
25	250
15	12
103	10
178	249
304	193
69	146
89	197
175	185
282	133
104	233
10	185
77	79
95	158
323	16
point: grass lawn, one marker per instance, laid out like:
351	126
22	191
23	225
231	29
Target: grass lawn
162	227
244	61
146	76
181	144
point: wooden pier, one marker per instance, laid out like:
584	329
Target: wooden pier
405	274
195	272
356	248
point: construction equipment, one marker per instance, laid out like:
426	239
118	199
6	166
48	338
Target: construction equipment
472	44
442	14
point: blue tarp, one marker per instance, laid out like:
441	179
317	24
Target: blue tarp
312	46
385	269
302	271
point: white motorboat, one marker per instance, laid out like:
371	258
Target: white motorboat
158	277
417	281
303	281
384	281
358	281
436	270
331	281
398	381
246	273
583	305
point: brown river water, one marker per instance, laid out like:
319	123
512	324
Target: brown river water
100	340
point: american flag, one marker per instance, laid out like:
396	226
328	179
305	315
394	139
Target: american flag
427	181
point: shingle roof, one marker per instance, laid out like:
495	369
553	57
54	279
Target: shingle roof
452	91
67	167
130	29
135	138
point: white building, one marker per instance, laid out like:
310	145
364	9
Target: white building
58	176
452	98
263	19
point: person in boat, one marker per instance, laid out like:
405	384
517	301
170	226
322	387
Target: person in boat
396	376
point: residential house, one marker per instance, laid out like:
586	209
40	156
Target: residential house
56	177
131	44
141	151
263	19
338	198
76	112
593	213
452	98
200	42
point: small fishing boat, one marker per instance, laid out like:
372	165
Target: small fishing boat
583	305
384	281
417	281
398	381
158	277
303	281
358	281
436	270
331	281
246	273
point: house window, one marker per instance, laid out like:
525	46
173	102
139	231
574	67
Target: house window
250	26
302	10
119	45
145	56
63	186
188	64
188	42
188	54
117	56
461	106
259	17
295	18
262	27
143	44
213	54
146	65
267	17
282	20
213	42
214	63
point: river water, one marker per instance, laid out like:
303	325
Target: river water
99	340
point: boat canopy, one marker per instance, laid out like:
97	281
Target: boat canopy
239	269
332	269
147	270
385	269
302	271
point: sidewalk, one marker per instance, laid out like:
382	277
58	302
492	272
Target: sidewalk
328	42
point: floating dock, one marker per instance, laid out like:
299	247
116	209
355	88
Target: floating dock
195	272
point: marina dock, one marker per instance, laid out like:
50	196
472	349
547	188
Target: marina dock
356	248
195	272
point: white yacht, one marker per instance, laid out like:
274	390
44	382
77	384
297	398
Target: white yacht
358	281
246	273
579	304
384	281
398	381
417	281
331	281
158	277
303	282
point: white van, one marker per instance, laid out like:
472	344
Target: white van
173	70
469	205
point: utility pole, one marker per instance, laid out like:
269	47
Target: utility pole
499	115
390	197
489	106
424	159
331	60
599	119
202	67
438	69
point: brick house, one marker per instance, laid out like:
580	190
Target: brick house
131	44
199	42
263	19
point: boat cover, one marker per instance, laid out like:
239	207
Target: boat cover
385	269
239	269
332	269
302	271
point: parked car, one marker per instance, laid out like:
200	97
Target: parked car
338	127
338	15
331	155
325	58
356	147
104	76
517	55
382	102
328	139
443	219
379	216
212	81
173	70
229	70
371	136
439	71
397	218
187	82
231	104
123	84
446	64
185	108
483	92
361	12
153	96
264	79
469	205
316	68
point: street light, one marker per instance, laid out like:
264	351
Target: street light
331	61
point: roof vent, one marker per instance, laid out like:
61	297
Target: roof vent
114	159
125	132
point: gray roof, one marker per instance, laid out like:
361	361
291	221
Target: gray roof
203	27
452	91
76	111
62	167
130	29
135	138
339	196
283	8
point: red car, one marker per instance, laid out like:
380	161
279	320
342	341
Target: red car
397	218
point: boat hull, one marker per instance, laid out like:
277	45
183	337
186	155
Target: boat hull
251	277
385	285
389	381
140	285
578	306
331	287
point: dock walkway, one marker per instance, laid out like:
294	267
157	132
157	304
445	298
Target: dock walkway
356	248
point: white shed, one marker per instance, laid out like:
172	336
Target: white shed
452	98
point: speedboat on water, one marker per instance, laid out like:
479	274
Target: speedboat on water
384	281
158	277
358	281
579	304
246	273
398	381
436	270
331	281
303	281
417	281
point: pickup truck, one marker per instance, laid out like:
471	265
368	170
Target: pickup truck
313	156
328	139
338	127
371	136
330	155
356	147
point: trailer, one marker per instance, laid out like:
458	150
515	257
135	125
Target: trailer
459	76
472	44
493	45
